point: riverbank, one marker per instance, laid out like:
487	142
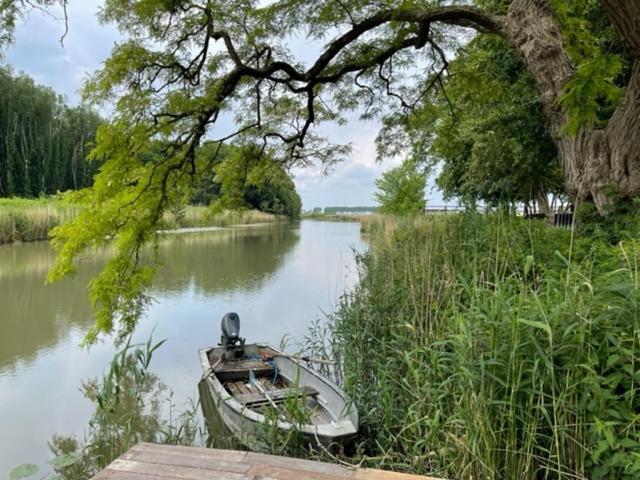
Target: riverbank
484	346
28	220
330	217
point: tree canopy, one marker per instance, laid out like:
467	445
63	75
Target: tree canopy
188	64
45	143
401	190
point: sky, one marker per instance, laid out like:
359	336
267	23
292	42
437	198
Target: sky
38	53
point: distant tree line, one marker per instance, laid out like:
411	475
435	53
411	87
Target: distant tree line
334	210
43	142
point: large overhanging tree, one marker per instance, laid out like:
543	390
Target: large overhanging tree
188	64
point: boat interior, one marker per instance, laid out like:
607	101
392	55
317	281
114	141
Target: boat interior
259	385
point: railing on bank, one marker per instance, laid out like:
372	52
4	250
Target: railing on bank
562	217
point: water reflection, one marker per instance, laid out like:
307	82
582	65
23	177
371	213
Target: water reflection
35	316
278	278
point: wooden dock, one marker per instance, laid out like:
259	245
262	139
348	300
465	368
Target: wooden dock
148	461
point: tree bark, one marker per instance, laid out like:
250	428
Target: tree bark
594	161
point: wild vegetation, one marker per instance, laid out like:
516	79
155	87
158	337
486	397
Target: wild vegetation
27	220
45	143
487	346
131	405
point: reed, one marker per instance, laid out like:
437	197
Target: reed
26	220
492	347
199	216
131	405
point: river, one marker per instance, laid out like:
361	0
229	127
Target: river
278	278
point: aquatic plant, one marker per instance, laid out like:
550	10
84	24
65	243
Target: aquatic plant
129	409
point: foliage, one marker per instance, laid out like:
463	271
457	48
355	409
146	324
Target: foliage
602	63
249	179
44	142
493	347
26	220
128	410
187	65
486	130
401	190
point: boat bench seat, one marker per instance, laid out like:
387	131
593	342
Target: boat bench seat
279	395
239	369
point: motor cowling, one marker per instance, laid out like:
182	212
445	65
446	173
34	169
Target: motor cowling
230	327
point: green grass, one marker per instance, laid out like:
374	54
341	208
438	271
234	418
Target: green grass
492	347
198	216
26	220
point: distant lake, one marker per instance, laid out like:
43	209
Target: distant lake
278	278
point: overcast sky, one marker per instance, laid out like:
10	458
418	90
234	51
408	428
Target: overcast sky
38	53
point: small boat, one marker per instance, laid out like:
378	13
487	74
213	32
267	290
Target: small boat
248	383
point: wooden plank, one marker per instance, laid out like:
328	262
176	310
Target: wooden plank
212	453
280	394
244	366
173	471
147	461
282	473
373	474
108	474
266	384
257	459
233	388
183	459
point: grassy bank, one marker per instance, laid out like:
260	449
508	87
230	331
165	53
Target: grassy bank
492	347
198	216
329	217
27	220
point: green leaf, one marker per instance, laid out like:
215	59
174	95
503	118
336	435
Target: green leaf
536	324
63	461
23	471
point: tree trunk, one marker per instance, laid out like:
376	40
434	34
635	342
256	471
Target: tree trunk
543	201
594	161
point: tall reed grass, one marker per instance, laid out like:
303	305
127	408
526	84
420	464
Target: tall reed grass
26	220
492	347
198	216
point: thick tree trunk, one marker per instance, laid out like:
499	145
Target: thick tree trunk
594	160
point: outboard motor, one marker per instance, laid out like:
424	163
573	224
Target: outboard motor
230	339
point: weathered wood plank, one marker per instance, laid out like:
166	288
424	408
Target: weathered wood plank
279	394
173	471
373	474
212	453
282	473
240	369
257	459
147	461
187	460
108	474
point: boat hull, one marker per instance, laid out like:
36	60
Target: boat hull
250	428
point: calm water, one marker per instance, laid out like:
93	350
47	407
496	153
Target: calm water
278	278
